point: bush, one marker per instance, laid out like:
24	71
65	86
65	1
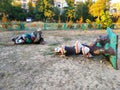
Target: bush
104	19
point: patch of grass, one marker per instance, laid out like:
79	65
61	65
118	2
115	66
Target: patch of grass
49	51
54	44
66	38
6	44
79	34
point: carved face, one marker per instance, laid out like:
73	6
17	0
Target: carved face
104	39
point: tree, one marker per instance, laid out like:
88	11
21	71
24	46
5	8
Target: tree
70	2
99	6
30	9
81	10
17	13
105	19
12	11
45	7
63	15
5	6
100	10
70	10
57	12
70	13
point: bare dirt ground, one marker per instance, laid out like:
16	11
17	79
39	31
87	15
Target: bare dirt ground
35	67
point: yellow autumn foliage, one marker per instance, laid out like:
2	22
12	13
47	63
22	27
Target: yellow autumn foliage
48	13
96	8
4	19
16	3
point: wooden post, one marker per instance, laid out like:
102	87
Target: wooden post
114	44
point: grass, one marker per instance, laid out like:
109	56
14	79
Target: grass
54	44
50	51
66	39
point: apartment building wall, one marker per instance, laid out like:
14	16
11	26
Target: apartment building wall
24	3
115	8
60	3
63	3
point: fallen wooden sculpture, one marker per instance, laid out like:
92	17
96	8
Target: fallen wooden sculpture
110	45
114	44
106	45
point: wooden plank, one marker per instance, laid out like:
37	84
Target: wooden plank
113	43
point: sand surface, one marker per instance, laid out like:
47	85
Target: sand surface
35	67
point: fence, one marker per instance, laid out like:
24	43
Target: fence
51	26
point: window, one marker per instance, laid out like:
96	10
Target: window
24	5
58	4
114	10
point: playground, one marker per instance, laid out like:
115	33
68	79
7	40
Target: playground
35	67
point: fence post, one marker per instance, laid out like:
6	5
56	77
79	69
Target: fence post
98	26
82	26
22	26
114	44
65	27
44	28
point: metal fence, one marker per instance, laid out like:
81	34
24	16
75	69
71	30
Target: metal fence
52	26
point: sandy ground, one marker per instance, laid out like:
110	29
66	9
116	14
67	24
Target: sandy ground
35	67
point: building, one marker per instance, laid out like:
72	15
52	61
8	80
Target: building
57	3
63	3
24	3
60	3
76	1
115	8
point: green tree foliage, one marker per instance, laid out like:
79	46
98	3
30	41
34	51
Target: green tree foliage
70	13
17	13
5	6
57	12
82	10
45	11
70	2
31	9
75	12
70	10
63	15
13	12
38	15
105	19
45	7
